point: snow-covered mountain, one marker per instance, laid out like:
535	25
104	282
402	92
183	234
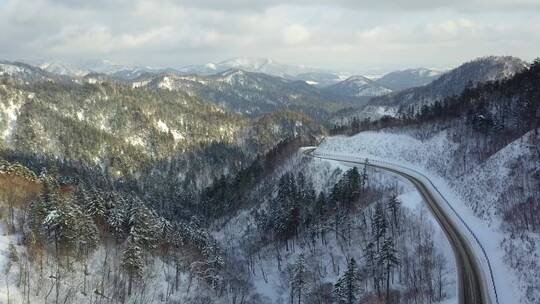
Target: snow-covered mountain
258	65
448	84
357	86
106	67
251	93
24	73
63	69
314	76
455	81
136	72
400	80
82	68
320	79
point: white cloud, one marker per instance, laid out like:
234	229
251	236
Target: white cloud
452	28
295	34
343	34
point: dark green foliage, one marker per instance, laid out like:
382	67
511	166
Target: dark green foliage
132	262
379	224
66	225
299	278
228	193
291	209
347	192
347	288
394	206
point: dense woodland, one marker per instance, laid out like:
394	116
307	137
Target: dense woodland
69	229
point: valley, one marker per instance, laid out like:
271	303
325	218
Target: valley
123	184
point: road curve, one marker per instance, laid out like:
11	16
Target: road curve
472	285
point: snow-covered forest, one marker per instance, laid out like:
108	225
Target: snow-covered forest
340	234
120	190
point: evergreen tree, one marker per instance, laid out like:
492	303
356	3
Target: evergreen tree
379	224
87	234
347	191
353	187
347	288
388	260
94	205
145	228
118	221
299	277
370	255
132	262
320	206
393	206
286	210
364	178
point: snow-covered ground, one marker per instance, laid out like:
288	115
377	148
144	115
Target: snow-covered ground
269	281
473	195
6	267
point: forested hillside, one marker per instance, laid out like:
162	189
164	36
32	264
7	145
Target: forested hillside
451	83
253	94
485	144
162	190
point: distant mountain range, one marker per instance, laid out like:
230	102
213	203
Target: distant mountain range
251	93
257	86
246	93
400	80
357	86
447	84
125	72
313	76
256	65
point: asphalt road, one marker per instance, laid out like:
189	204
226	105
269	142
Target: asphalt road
472	285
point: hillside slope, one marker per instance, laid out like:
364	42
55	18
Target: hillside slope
483	144
252	94
453	82
410	78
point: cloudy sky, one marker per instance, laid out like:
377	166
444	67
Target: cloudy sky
350	35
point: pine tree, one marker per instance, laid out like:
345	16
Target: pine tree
347	191
364	178
393	205
166	231
61	224
94	205
87	241
347	288
132	262
352	188
85	233
145	228
299	277
370	255
117	221
379	224
388	260
285	210
320	206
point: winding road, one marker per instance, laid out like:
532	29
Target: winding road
473	287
